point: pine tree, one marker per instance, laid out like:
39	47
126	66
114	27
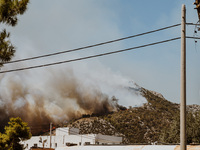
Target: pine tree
16	131
9	10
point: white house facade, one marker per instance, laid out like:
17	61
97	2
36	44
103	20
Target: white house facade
67	137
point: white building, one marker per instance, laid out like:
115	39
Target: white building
69	136
67	131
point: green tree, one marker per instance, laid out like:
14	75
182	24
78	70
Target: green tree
16	131
171	134
2	141
9	10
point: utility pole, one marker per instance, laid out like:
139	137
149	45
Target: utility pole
183	145
50	133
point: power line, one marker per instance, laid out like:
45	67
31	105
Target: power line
90	46
195	24
191	37
88	57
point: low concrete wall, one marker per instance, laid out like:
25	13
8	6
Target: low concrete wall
189	147
130	147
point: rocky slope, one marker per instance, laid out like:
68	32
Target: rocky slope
139	125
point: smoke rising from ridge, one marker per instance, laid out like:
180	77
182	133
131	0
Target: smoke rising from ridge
57	94
62	92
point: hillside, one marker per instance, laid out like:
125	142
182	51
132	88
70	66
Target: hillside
146	124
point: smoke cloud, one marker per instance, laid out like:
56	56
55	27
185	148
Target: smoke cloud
61	93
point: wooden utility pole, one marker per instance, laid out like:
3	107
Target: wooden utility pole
50	133
183	144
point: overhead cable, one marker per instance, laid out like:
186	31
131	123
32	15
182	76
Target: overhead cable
90	46
191	37
195	24
88	57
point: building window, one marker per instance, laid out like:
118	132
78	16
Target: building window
55	144
79	143
34	145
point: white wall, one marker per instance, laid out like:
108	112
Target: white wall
59	140
73	131
67	131
70	135
108	139
35	140
62	131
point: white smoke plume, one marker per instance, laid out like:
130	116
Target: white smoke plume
64	92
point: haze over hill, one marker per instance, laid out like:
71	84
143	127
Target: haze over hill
57	95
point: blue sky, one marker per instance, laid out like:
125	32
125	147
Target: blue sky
50	26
